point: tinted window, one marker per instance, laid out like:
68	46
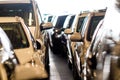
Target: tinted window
93	24
23	10
71	21
16	34
50	18
80	24
60	21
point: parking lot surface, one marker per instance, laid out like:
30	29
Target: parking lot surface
58	68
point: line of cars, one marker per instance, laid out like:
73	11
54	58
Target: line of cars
93	46
102	59
29	56
75	39
80	40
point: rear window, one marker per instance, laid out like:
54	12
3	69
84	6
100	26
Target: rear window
93	24
16	34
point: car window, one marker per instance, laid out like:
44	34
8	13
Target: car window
60	21
93	24
68	21
71	21
23	10
16	34
80	24
84	27
50	18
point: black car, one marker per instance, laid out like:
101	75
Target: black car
55	37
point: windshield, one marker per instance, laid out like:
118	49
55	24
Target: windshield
22	10
16	34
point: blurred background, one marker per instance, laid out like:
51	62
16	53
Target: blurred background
70	6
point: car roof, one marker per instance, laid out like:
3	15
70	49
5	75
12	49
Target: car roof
14	1
10	19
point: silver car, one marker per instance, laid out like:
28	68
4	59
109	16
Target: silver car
7	56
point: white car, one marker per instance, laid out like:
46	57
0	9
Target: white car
7	56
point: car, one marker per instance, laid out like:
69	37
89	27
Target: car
108	45
60	38
92	56
77	23
7	56
83	40
30	12
27	50
54	40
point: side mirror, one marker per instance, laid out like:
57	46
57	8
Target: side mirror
68	31
76	37
47	25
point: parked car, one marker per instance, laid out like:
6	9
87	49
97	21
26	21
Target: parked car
107	65
83	40
7	56
54	40
92	56
60	38
30	12
75	27
30	56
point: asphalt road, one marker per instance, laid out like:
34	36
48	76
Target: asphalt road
58	68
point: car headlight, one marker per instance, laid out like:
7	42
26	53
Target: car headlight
58	31
55	30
